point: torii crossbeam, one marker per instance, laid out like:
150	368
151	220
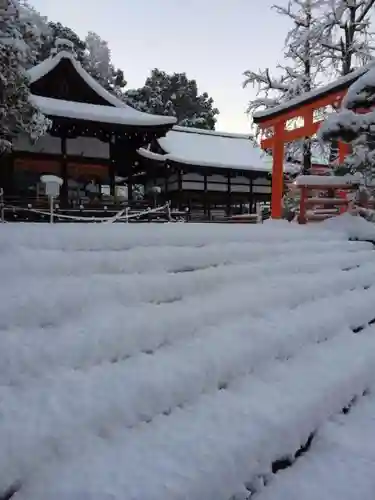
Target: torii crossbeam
305	114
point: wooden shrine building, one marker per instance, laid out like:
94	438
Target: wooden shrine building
208	172
95	140
93	136
299	118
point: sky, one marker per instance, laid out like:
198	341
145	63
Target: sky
213	41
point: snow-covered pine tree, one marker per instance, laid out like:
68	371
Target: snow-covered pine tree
58	31
19	39
98	63
355	124
175	95
93	53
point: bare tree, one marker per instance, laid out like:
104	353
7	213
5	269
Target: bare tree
300	74
346	34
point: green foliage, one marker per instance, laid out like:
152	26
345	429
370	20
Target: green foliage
175	95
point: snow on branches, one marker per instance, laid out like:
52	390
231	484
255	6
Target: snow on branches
355	124
19	40
346	33
302	56
271	90
327	37
98	63
175	95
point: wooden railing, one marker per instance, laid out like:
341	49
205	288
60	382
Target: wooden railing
315	208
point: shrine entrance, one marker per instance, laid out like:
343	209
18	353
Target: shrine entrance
300	118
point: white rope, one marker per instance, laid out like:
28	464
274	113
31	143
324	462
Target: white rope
119	216
116	217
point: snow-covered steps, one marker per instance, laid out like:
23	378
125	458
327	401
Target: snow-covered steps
208	449
339	465
108	330
87	237
184	377
175	376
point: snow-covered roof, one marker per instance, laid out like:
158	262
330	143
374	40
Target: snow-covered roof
97	113
125	115
330	180
125	377
214	149
339	84
48	65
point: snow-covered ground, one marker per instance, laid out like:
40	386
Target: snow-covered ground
179	361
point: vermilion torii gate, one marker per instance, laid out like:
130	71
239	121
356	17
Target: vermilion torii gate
305	112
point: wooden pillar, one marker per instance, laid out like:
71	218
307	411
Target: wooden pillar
251	196
179	188
165	184
130	183
229	195
112	180
205	198
64	173
277	171
308	120
302	219
7	173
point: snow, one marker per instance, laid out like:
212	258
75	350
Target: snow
150	155
329	180
116	112
337	124
40	70
51	179
343	81
97	113
213	149
356	228
174	361
343	449
360	91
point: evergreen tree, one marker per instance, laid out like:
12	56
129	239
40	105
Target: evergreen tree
58	31
19	40
98	63
175	95
93	53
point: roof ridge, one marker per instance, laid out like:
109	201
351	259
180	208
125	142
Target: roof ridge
40	70
217	133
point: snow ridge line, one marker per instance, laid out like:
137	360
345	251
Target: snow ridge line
86	237
231	446
165	259
288	461
154	289
258	485
238	363
33	354
332	443
147	287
